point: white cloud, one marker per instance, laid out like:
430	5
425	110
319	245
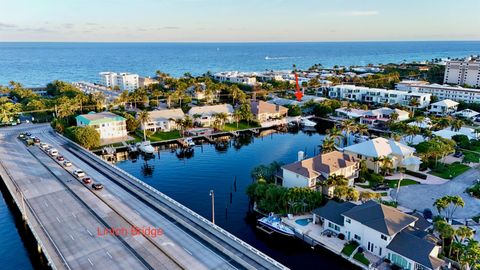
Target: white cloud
351	13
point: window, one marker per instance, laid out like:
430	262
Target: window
357	237
384	237
348	220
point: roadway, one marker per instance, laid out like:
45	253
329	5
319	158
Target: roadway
74	212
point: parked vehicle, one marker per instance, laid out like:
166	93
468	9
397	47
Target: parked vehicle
87	180
97	186
36	140
379	187
53	152
44	145
28	134
67	163
60	158
21	135
30	142
458	155
78	173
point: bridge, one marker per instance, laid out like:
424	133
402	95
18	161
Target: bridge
77	227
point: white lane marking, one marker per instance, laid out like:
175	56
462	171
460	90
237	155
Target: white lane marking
108	254
168	244
74	215
72	237
188	251
89	232
58	220
46	204
90	261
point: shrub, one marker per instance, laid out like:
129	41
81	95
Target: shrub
416	174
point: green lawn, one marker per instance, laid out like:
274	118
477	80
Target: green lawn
449	171
405	182
158	136
241	125
361	258
470	157
349	248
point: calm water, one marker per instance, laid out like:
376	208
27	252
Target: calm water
189	180
35	64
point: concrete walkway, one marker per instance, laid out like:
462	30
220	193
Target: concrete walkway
431	179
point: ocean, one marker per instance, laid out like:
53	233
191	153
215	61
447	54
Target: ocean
36	64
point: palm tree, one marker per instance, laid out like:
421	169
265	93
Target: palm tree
235	92
394	116
348	126
387	163
334	133
445	230
237	115
412	131
457	125
414	103
464	232
362	129
222	118
442	123
328	145
144	118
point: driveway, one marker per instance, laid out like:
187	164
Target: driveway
419	197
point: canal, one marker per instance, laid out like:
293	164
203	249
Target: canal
188	178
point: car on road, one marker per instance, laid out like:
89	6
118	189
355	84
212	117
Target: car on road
60	158
97	186
78	173
67	163
28	134
30	142
21	135
458	155
44	145
53	152
87	180
36	140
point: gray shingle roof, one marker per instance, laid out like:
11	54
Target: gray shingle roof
379	217
408	244
333	211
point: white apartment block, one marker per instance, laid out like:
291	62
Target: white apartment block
125	81
442	92
378	96
236	77
463	72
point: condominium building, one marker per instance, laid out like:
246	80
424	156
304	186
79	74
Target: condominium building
378	96
456	93
124	81
236	77
463	72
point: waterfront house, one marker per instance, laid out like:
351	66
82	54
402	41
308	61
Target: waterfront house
349	113
467	114
264	111
374	150
382	116
448	133
163	120
382	231
205	115
443	107
110	126
312	172
378	96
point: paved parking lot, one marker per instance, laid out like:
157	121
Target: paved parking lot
420	197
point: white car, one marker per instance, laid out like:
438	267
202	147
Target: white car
78	173
67	163
53	152
44	145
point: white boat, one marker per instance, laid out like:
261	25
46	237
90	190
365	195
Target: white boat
145	147
275	224
307	123
189	142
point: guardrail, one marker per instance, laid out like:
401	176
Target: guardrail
37	237
186	209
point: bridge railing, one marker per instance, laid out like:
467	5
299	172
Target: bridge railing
186	209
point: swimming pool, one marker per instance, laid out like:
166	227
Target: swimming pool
303	221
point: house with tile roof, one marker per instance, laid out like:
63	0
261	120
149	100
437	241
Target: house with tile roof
109	125
264	111
311	172
372	151
382	231
205	115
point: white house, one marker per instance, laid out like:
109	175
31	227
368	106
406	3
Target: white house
378	96
383	115
236	77
349	113
110	126
467	113
312	171
125	81
205	115
383	231
425	123
443	107
374	150
448	133
163	120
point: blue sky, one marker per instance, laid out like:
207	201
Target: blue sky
238	20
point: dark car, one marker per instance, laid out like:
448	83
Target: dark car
97	186
458	154
28	134
87	180
60	158
379	187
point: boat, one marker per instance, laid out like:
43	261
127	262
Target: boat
146	147
189	142
276	224
307	123
131	148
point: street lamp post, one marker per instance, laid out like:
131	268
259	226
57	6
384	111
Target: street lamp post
212	194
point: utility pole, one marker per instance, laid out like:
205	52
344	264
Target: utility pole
212	194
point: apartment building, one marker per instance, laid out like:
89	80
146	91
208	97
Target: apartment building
378	96
124	81
463	72
236	77
456	93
